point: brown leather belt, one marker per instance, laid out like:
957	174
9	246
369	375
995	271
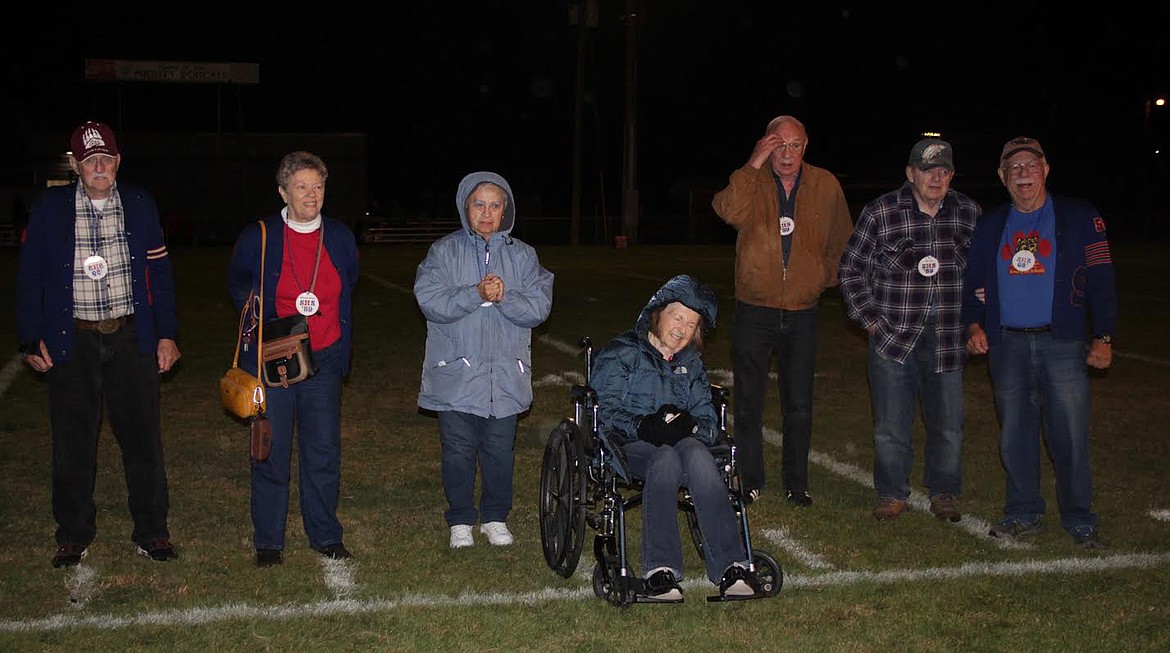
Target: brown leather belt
104	327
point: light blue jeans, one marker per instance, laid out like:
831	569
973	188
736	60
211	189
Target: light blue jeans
1043	381
895	390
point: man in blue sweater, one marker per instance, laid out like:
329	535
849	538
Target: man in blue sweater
95	312
1040	273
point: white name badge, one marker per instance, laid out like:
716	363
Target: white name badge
96	267
787	225
1024	260
928	266
308	304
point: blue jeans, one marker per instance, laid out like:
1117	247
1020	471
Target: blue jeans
469	442
758	333
1041	380
895	390
109	370
313	408
663	471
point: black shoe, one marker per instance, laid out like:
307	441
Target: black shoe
738	584
1087	537
269	557
661	587
159	550
335	551
69	555
798	498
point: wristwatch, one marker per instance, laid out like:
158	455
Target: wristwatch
1105	338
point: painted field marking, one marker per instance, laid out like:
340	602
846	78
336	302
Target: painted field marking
338	577
1160	515
781	538
284	612
82	584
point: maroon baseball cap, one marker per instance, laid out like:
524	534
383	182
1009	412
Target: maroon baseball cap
1021	144
92	138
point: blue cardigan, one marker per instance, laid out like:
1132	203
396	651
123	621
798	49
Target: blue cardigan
1084	292
44	280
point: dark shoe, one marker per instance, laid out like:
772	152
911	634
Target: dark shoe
1087	537
160	550
269	557
1012	527
335	551
661	587
798	498
945	507
737	583
69	555
889	508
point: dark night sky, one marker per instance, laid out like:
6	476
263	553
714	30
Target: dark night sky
443	88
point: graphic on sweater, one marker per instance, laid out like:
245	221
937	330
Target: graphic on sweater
1024	252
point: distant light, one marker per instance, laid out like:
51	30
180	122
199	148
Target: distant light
1160	102
932	134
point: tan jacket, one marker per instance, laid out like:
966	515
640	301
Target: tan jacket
751	205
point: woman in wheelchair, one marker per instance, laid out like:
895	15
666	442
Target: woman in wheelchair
655	404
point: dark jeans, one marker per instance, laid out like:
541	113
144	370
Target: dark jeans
895	392
313	409
109	370
757	334
1042	390
469	442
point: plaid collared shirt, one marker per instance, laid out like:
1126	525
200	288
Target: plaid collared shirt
880	278
101	233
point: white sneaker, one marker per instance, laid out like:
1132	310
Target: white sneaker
497	533
461	536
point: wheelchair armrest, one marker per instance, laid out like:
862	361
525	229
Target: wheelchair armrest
719	394
581	393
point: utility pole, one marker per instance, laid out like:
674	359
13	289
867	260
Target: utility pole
631	17
585	18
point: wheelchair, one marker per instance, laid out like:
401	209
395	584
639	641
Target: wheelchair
584	481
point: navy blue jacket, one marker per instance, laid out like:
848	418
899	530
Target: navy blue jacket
244	274
1084	293
44	279
632	378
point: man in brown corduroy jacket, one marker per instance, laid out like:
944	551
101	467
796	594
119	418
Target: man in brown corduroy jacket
792	224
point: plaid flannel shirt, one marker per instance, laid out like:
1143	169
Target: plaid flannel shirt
882	286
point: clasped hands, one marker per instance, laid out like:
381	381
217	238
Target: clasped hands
667	426
491	288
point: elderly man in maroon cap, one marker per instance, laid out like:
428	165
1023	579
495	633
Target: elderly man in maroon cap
95	312
1040	299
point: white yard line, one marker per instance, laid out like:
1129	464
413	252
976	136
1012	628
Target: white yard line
338	577
244	611
82	583
792	546
1160	515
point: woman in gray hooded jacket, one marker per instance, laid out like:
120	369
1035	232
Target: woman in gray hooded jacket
655	403
481	291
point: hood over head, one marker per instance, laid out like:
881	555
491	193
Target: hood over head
688	291
468	185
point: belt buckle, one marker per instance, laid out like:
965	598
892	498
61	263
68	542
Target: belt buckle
108	326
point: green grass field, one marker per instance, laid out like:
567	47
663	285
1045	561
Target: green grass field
851	583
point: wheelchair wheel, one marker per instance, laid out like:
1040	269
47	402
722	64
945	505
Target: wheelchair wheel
562	499
607	585
769	573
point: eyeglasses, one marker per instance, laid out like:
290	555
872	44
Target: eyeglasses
1017	169
795	146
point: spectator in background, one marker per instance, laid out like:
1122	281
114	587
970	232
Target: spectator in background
901	279
791	223
482	292
1039	298
96	313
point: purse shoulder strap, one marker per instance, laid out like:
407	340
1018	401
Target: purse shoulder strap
248	306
